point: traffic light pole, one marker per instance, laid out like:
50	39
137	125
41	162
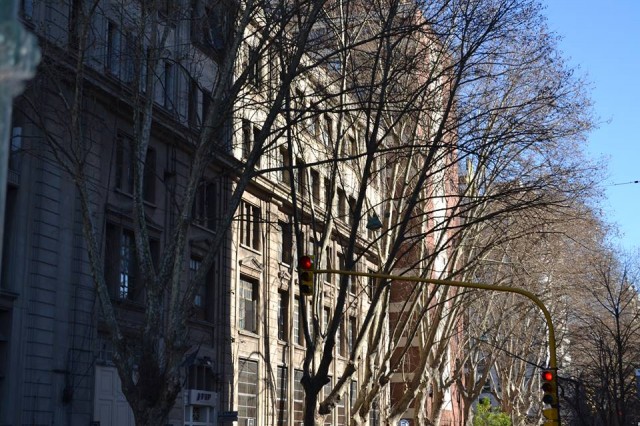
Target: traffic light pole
553	361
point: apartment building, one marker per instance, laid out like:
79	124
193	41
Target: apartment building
245	328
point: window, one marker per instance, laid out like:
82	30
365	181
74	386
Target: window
371	283
315	185
194	102
247	392
114	49
353	393
250	226
374	413
342	208
352	209
326	390
286	248
281	396
352	333
125	168
298	398
283	316
285	165
298	333
328	193
326	314
246	138
200	375
121	266
248	305
351	147
166	8
169	80
209	25
194	265
128	265
340	339
302	179
149	178
256	67
26	9
198	415
15	153
327	130
341	412
329	264
254	138
206	103
204	205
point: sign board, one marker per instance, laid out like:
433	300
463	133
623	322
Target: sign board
199	397
228	416
403	422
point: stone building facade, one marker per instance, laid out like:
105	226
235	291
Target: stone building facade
248	342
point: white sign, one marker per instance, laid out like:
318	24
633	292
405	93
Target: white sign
403	422
200	397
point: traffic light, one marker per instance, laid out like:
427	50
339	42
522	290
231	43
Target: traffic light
550	398
305	266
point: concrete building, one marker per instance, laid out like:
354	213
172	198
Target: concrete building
248	345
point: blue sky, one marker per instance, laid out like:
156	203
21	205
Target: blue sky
603	39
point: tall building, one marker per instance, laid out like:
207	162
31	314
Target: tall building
246	329
246	325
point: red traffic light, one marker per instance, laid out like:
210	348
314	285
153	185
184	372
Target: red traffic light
549	387
305	266
305	262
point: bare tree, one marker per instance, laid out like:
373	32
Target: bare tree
429	87
604	336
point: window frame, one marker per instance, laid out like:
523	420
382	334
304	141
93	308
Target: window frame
248	380
250	232
248	304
